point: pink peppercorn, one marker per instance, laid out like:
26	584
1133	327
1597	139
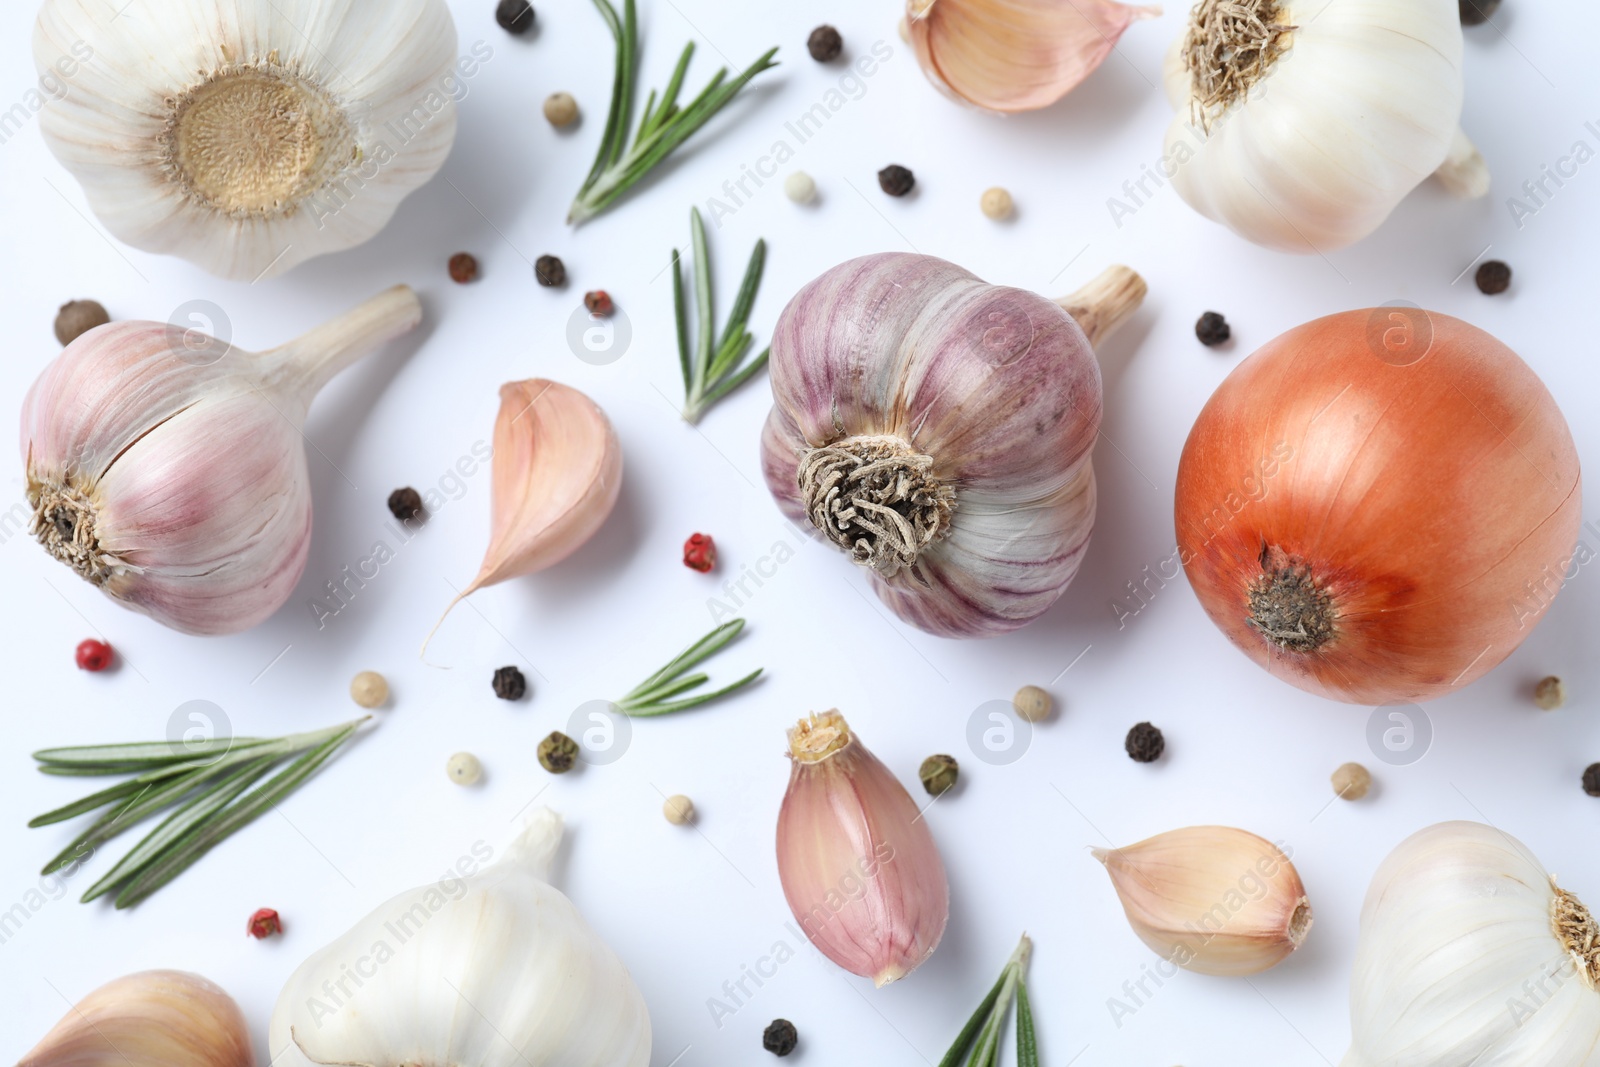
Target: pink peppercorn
264	923
700	553
93	655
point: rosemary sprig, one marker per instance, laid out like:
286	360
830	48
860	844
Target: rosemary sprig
208	784
711	373
662	127
978	1044
650	697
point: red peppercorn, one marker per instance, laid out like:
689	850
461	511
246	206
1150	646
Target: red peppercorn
700	553
94	655
598	302
264	923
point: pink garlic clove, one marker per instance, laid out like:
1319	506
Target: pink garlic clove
858	864
557	475
1015	55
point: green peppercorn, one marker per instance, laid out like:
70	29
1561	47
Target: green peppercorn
558	753
939	774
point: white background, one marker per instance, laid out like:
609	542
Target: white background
686	909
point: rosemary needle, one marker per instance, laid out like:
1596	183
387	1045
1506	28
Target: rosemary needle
650	697
212	787
663	126
711	373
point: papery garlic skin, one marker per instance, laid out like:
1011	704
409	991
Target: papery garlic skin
902	383
859	866
498	969
149	1019
1015	55
1460	960
250	136
169	469
1360	104
1211	899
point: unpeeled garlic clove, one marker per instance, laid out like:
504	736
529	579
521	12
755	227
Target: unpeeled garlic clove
149	1019
557	473
859	866
1015	55
1211	899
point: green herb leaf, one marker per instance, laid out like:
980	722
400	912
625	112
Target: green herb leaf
662	127
711	372
202	782
981	1035
1027	1044
645	699
180	855
958	1051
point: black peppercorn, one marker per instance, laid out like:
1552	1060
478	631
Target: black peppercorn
558	753
896	180
509	684
1477	12
1591	780
514	16
1212	329
1145	743
405	504
780	1038
550	271
78	317
825	44
1493	277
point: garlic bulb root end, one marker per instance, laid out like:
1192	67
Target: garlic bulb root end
1463	172
1106	302
877	499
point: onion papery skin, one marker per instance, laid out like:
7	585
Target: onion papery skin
998	385
1436	500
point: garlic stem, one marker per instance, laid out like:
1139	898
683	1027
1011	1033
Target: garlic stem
1106	302
305	365
1463	171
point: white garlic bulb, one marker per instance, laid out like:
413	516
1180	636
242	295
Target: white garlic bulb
1470	954
495	968
1301	124
250	135
168	469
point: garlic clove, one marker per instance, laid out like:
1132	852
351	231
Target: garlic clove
249	137
1211	899
557	475
149	1019
1015	55
859	866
